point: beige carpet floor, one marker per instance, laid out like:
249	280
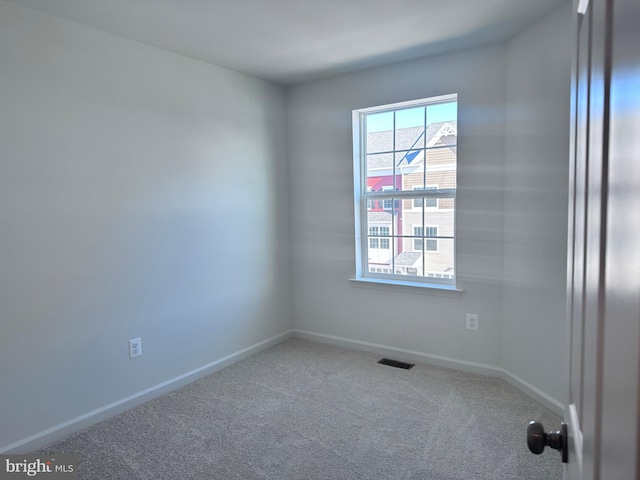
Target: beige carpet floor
303	410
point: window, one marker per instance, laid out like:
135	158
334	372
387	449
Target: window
428	234
405	180
374	237
418	243
431	202
387	202
427	202
384	242
432	239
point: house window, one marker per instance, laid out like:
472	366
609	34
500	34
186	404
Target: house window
418	241
373	237
425	237
376	239
431	234
387	203
427	202
431	202
405	178
384	242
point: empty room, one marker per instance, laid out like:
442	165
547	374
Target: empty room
218	217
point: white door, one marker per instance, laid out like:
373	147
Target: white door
604	244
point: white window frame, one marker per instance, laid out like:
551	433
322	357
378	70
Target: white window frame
362	196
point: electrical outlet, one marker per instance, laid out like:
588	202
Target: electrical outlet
135	347
472	321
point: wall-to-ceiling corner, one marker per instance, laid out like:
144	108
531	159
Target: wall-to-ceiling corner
142	194
536	193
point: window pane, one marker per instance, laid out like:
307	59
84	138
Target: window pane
379	227
440	217
439	263
410	117
441	167
379	172
410	128
379	128
409	169
436	265
442	112
410	138
409	264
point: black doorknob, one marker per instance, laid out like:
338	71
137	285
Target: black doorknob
537	439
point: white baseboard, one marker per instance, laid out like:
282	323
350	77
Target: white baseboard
480	368
58	432
529	390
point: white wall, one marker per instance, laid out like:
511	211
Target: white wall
141	194
321	175
535	217
127	209
513	127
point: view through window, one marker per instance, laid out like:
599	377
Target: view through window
405	165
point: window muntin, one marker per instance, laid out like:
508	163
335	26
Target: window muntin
405	164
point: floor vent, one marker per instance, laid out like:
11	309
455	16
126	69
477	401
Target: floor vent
396	363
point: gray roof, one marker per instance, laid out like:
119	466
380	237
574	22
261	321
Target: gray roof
378	217
406	139
383	160
407	259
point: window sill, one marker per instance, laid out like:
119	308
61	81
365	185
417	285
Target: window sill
406	286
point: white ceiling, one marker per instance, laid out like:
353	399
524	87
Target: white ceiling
289	41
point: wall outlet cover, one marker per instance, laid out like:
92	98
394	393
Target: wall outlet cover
135	347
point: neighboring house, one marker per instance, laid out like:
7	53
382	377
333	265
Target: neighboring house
405	234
